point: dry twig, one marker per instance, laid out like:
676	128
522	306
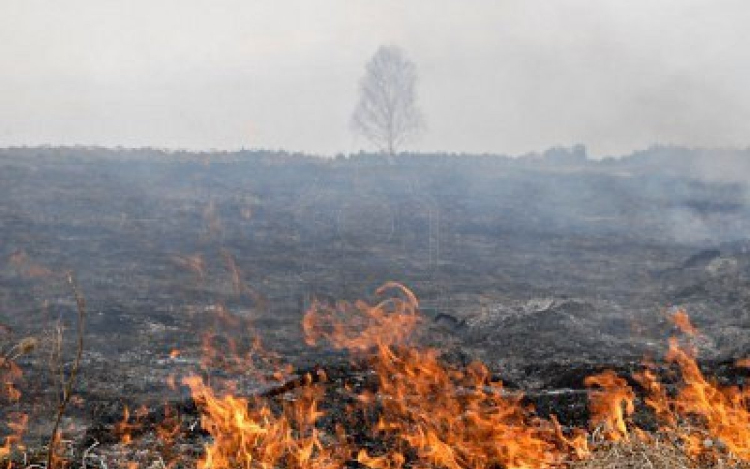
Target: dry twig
68	382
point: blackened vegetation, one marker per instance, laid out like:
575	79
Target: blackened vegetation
547	267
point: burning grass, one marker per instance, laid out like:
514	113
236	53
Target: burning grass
409	408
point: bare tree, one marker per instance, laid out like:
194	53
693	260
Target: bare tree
387	113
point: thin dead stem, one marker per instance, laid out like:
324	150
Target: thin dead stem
68	382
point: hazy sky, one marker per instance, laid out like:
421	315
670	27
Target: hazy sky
506	76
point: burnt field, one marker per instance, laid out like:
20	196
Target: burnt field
549	269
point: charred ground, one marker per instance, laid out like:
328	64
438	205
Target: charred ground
547	267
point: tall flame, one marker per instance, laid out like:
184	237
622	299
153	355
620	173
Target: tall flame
453	418
610	404
718	416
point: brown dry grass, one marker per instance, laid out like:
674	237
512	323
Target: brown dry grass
652	455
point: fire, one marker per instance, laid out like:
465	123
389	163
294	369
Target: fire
17	426
360	326
703	414
610	404
249	434
427	413
724	411
420	410
169	427
11	373
125	427
682	321
453	418
456	418
459	418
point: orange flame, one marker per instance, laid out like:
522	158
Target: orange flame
427	413
450	417
11	373
681	319
716	414
249	434
460	418
360	326
17	426
125	427
610	404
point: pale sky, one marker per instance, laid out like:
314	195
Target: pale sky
501	76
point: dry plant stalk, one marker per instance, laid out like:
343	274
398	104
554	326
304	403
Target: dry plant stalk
67	383
24	347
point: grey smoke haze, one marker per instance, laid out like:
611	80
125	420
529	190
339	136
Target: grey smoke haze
496	76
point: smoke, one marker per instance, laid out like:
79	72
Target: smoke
505	77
